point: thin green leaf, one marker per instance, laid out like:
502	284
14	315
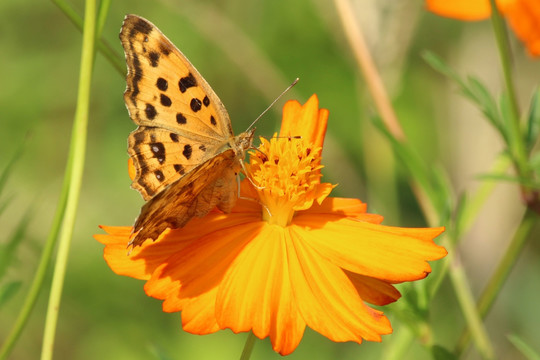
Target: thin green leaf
479	94
416	167
459	219
4	176
438	64
533	121
4	204
7	251
509	178
440	353
8	290
116	60
535	163
473	89
524	348
506	112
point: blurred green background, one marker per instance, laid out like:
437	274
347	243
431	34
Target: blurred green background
249	51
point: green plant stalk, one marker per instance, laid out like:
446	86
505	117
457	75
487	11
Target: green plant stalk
76	167
39	278
117	61
248	346
400	343
501	274
516	140
468	306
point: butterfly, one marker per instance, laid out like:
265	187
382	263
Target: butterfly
185	154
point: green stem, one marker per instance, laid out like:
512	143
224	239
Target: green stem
39	278
399	345
468	307
516	140
248	347
501	274
75	167
117	61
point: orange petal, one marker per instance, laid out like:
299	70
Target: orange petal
373	291
388	253
326	298
116	252
201	265
132	172
256	293
468	10
524	18
198	313
343	207
460	9
306	121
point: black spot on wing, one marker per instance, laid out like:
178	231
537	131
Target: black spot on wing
150	111
165	100
140	26
162	84
165	50
159	152
206	101
181	119
187	151
139	137
174	137
179	169
154	58
136	78
213	120
159	175
195	104
187	82
202	147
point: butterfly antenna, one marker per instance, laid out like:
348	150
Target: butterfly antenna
272	104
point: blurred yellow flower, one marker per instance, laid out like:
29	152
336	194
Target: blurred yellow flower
523	16
290	259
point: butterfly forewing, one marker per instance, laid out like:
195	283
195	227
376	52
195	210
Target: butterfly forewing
164	91
184	151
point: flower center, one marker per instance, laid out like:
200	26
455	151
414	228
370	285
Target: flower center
287	174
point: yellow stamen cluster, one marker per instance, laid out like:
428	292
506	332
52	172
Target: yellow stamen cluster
286	172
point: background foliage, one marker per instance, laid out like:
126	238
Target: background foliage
249	52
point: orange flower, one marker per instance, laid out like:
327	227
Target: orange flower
523	16
299	259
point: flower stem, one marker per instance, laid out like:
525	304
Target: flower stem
248	347
74	172
116	60
501	274
516	140
467	305
368	68
39	278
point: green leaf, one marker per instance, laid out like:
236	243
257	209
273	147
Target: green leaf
473	89
510	178
4	176
7	251
8	290
440	353
524	348
533	121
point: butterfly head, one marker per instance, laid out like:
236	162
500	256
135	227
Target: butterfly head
244	140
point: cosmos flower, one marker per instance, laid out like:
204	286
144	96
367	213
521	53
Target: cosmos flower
522	15
292	258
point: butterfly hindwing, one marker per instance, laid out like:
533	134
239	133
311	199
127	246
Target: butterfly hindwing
161	157
210	184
